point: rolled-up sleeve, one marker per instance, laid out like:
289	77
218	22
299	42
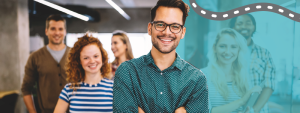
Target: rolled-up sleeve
198	101
30	77
270	72
124	99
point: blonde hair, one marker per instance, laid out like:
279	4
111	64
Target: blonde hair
239	66
124	38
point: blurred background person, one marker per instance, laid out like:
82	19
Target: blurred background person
227	74
121	47
46	68
262	67
88	72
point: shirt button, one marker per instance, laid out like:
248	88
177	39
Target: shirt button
59	74
58	65
160	92
160	73
60	84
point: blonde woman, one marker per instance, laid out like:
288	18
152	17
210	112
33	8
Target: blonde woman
120	46
227	75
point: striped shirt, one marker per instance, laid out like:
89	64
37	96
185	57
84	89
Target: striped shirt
96	98
215	98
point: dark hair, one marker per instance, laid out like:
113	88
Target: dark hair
233	20
171	3
55	17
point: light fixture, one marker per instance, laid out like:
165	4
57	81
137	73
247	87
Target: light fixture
288	3
110	2
85	18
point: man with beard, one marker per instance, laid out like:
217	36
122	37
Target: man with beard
262	68
161	81
45	67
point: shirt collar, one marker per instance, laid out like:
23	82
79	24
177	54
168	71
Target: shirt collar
251	43
250	47
178	63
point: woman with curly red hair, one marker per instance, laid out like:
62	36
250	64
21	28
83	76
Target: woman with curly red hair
88	72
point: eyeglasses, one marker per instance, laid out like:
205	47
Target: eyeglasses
161	26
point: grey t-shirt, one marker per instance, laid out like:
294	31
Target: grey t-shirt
57	55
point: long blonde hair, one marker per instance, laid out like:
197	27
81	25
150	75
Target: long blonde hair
124	38
239	66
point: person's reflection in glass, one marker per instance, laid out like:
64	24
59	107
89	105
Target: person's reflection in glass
261	64
121	47
227	73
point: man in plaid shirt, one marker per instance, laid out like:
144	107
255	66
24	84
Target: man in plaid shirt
262	68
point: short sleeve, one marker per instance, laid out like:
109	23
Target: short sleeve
269	72
64	94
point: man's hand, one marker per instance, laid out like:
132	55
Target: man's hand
28	100
180	110
140	110
247	111
245	98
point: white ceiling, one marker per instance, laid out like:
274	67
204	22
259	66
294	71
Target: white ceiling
206	4
104	4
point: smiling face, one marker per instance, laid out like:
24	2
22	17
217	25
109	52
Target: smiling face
226	49
91	59
166	41
56	32
244	26
117	46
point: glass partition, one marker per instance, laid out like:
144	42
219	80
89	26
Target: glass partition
270	56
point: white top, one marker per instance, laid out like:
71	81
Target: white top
215	98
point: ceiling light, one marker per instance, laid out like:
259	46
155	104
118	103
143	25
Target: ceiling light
110	2
85	18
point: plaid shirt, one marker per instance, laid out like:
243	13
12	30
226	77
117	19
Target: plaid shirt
262	68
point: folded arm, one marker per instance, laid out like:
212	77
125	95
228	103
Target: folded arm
198	101
124	99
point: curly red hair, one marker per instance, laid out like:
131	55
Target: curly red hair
74	70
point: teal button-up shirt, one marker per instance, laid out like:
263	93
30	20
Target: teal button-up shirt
140	83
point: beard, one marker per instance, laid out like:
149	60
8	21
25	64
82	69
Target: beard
156	45
56	43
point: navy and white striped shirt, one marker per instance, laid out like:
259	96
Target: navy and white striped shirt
89	98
